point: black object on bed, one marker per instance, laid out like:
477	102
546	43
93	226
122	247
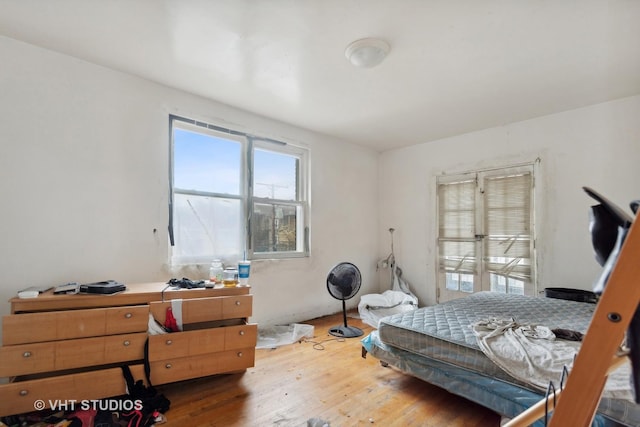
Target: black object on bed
579	295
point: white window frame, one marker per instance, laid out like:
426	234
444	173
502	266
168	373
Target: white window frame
301	204
248	144
482	275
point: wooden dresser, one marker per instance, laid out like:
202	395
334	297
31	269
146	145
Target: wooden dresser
60	348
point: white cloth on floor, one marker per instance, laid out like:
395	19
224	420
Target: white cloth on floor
373	307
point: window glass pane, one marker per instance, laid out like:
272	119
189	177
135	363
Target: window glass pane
459	282
207	227
498	283
466	283
207	163
503	284
275	227
516	286
452	281
275	175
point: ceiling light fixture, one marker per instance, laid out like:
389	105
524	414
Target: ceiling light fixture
367	53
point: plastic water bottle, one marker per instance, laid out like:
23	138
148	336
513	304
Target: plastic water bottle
215	271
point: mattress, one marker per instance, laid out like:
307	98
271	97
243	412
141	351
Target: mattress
500	396
443	332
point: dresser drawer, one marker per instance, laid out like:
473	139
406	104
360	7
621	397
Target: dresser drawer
26	358
201	341
190	343
193	310
20	397
237	306
99	350
61	325
122	320
240	336
69	354
206	309
183	368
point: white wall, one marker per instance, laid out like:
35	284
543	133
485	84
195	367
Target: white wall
84	186
596	146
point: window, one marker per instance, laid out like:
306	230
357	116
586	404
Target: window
234	194
278	202
485	233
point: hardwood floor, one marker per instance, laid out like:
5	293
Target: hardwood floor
331	381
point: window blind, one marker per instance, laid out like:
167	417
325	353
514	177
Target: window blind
485	229
507	242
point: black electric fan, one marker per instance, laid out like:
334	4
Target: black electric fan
343	282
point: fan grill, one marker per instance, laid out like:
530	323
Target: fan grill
343	283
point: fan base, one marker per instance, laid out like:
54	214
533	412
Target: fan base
345	331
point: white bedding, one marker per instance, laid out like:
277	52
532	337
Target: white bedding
531	353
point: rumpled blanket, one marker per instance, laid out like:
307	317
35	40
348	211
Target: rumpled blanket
373	307
532	354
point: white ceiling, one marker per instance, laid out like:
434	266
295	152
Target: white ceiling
455	66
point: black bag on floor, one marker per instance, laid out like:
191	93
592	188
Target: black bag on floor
143	406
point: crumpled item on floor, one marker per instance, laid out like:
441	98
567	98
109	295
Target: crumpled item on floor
373	307
276	336
317	422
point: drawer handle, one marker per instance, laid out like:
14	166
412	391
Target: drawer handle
240	354
126	343
168	366
169	342
237	302
128	316
24	392
241	332
26	354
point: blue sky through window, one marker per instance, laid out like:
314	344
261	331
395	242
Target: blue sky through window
274	175
206	163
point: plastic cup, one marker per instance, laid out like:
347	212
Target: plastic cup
244	268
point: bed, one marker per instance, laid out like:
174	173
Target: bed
437	344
